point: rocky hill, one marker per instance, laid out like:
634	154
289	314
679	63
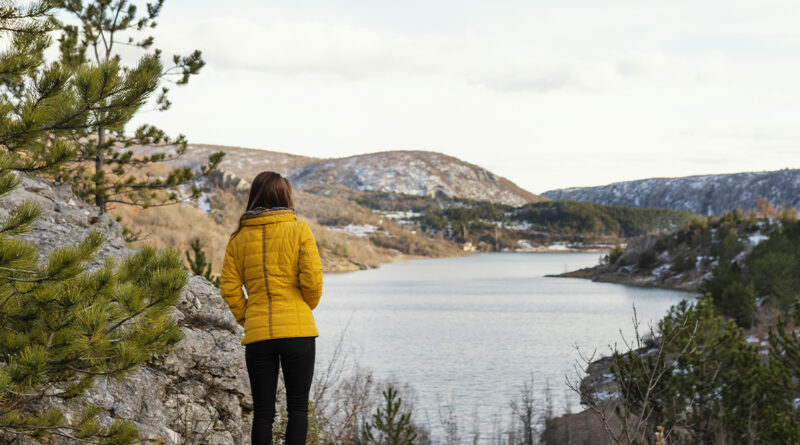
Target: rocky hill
419	173
706	195
199	392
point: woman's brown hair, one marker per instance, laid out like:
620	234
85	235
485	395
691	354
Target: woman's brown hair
269	190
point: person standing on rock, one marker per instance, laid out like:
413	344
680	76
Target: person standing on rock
275	257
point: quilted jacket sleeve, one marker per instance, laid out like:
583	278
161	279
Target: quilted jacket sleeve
230	286
310	268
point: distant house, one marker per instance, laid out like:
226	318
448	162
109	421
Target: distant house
468	247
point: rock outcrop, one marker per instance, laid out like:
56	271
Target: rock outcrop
626	270
198	392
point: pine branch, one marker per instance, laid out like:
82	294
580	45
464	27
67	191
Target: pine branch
13	270
164	203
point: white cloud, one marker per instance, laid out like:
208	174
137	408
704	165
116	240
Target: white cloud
349	52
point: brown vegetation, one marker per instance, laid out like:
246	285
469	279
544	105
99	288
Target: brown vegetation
175	226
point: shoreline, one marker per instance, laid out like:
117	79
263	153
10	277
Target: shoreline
348	265
642	281
355	266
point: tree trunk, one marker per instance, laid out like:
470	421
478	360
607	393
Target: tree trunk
99	182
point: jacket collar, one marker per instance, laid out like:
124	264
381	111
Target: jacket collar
260	215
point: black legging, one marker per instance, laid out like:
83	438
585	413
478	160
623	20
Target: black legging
296	357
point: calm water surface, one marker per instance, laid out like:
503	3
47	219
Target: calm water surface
472	330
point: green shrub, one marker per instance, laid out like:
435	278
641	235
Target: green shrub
728	248
732	297
613	255
684	262
647	260
391	424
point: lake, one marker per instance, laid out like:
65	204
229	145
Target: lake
471	330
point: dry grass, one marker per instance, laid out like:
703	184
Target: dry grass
176	226
342	252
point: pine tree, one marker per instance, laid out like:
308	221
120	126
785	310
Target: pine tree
105	170
705	384
61	326
784	340
390	425
198	264
732	296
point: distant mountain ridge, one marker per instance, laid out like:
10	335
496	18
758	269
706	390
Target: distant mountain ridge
420	173
704	194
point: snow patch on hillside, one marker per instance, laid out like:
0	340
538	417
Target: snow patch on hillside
757	237
411	173
203	203
706	195
354	229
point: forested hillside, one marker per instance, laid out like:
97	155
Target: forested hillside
689	376
586	218
498	226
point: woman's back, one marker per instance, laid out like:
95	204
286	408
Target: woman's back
275	257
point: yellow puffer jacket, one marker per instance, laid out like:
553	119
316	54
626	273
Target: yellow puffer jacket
275	257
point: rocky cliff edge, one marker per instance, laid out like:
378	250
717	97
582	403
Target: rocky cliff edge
198	393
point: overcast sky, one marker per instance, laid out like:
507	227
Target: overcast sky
549	94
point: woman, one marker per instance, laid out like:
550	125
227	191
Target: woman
275	257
